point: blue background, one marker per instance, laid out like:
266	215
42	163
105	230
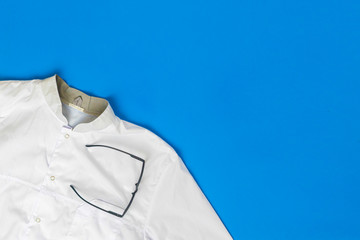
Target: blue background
259	98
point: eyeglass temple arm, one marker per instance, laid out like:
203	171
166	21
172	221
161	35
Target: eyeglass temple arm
111	212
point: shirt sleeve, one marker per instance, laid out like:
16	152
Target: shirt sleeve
9	94
180	210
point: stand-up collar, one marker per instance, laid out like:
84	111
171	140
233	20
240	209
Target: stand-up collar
55	90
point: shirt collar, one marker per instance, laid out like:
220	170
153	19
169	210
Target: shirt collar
55	88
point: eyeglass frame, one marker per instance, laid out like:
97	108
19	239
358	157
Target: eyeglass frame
136	184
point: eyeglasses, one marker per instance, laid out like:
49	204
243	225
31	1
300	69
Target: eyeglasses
136	184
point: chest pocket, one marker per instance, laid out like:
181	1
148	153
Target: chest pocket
90	224
107	188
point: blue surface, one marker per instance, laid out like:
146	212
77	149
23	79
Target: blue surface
259	98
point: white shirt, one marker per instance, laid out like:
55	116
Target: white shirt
70	169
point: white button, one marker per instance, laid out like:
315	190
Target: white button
52	178
38	220
67	136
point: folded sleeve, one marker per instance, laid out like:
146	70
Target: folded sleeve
180	210
9	92
3	95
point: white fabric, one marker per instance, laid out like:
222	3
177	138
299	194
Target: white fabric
41	155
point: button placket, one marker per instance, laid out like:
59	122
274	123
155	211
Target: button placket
49	178
66	130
